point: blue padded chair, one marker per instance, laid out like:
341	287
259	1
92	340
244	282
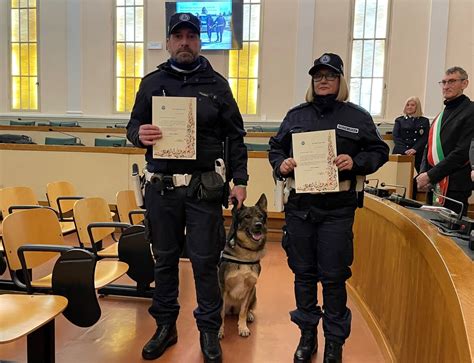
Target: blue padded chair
263	129
22	123
110	142
257	147
64	123
60	140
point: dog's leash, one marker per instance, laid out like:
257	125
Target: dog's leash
235	224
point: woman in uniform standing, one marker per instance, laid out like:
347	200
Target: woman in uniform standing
410	132
318	232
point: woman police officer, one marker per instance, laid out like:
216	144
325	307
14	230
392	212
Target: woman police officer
318	232
410	131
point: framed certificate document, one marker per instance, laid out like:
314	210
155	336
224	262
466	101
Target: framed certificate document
176	117
314	153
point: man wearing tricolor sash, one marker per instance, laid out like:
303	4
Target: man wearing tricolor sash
446	167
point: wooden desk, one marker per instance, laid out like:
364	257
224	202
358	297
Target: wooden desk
31	315
414	286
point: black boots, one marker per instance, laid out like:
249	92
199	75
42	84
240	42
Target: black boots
332	352
211	347
307	346
164	337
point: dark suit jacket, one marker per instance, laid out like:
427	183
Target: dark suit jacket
457	132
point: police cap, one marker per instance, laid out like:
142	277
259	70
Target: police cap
330	60
180	20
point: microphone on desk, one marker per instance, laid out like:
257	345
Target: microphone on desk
459	215
383	185
77	140
117	136
404	202
366	181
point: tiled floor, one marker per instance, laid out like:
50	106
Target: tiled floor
125	326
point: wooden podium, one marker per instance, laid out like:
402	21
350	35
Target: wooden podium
414	286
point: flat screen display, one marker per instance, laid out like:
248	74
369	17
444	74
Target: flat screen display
221	21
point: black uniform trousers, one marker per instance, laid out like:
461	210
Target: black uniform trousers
168	214
318	242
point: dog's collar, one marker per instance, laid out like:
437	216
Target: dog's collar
228	258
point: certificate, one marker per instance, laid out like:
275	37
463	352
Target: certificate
176	117
314	153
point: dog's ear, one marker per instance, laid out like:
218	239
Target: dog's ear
262	202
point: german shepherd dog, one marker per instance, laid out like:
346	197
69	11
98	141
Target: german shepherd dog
240	263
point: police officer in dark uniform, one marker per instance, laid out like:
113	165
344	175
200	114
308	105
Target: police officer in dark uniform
410	132
170	197
318	232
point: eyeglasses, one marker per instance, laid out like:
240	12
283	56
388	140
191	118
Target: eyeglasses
318	77
450	82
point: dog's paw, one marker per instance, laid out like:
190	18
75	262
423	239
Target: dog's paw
250	317
221	333
244	332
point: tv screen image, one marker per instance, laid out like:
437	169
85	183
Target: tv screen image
221	21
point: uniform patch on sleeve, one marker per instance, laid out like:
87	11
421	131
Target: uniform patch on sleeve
348	129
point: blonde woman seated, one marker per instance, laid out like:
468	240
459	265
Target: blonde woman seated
410	133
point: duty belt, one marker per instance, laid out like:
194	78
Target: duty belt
344	185
169	181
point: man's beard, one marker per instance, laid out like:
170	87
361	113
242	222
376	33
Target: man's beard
185	57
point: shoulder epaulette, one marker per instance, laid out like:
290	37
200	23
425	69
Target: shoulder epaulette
353	105
221	76
159	69
300	106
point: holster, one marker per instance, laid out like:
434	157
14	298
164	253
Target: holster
211	188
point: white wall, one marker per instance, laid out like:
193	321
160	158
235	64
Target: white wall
283	56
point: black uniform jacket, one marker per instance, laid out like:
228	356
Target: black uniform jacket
410	133
457	132
217	117
356	135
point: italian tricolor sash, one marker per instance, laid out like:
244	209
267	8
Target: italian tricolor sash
435	155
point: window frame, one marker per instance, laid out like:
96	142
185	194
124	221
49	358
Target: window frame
383	106
10	95
114	56
255	115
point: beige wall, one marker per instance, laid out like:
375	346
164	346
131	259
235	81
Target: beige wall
460	50
407	61
52	59
407	51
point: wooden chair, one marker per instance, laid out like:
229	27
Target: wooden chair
61	197
33	240
33	316
127	208
94	224
15	198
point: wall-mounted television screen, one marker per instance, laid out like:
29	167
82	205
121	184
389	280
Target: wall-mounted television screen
221	21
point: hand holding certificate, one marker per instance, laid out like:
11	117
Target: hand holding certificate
314	153
176	117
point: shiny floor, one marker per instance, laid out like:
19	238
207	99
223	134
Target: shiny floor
125	326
